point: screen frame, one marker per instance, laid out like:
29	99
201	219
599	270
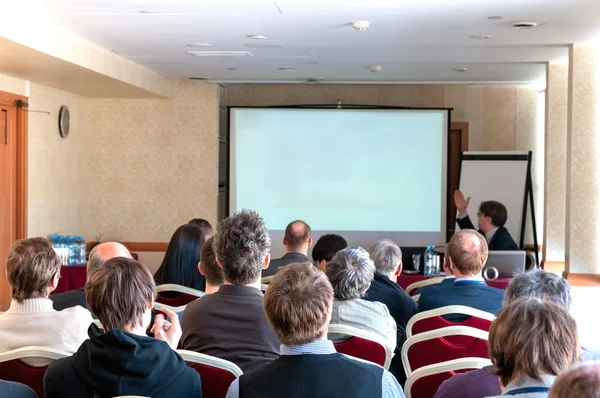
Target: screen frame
231	179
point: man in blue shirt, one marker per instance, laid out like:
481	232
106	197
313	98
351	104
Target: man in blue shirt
298	305
468	252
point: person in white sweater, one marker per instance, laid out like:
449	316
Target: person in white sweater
33	270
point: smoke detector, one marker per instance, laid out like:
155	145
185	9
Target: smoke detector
374	68
524	25
360	26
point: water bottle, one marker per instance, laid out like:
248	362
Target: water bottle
81	250
429	261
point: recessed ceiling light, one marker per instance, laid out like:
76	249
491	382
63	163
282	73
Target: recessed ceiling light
459	69
256	37
524	25
496	17
198	45
220	53
147	12
286	69
480	37
231	68
263	45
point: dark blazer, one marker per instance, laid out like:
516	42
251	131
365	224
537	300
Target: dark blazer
230	324
289	258
500	241
68	299
470	293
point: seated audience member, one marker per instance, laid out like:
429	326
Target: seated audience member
582	381
33	270
350	272
325	249
537	284
8	389
209	268
298	305
530	343
180	264
297	241
491	218
387	257
99	254
231	323
123	360
204	225
468	253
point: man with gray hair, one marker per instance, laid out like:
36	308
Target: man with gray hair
387	257
100	254
351	272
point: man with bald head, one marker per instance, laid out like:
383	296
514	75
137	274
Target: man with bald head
98	256
467	254
297	241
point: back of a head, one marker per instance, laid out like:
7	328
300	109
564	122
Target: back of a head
204	225
539	284
494	210
180	264
386	255
241	245
30	267
105	251
212	272
531	337
327	246
298	304
468	250
297	235
350	272
582	381
119	292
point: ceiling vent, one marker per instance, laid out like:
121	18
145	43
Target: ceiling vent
524	25
220	53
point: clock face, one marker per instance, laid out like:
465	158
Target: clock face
64	121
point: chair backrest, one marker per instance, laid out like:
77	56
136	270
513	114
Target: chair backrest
160	306
362	344
416	297
267	279
433	347
433	319
263	287
412	288
186	294
425	381
13	369
216	374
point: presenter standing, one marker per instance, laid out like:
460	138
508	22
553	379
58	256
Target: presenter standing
491	218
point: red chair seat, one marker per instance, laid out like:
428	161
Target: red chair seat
363	349
20	372
215	381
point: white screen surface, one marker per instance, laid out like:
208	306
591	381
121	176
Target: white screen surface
366	174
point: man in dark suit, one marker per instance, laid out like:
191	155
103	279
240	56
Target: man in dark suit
98	256
297	241
468	253
491	218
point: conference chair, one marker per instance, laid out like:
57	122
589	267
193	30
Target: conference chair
425	381
432	347
263	287
362	344
412	288
216	374
267	279
12	368
433	319
416	297
186	294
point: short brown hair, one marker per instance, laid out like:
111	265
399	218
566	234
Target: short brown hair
532	337
296	237
298	304
582	381
468	250
119	292
494	210
30	267
212	272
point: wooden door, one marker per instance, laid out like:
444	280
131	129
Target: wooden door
459	142
13	172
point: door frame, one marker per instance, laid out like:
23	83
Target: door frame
8	99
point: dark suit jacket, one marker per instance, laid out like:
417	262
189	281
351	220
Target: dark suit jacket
230	324
500	241
470	293
68	299
289	258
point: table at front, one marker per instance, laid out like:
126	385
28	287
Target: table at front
71	278
406	279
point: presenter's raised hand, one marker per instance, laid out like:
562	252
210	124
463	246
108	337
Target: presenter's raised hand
460	202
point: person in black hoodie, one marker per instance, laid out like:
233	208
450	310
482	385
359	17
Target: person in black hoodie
123	360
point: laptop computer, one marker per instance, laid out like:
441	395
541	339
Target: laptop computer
508	263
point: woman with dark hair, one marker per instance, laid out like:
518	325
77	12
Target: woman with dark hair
180	265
